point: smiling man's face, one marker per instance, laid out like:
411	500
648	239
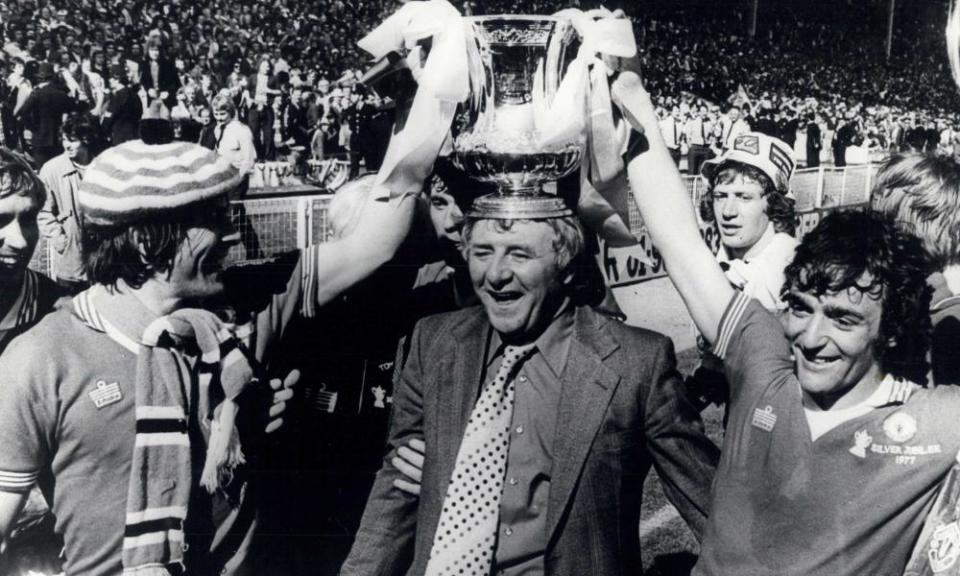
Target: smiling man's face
834	338
18	236
516	274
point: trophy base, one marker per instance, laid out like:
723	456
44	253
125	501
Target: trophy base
518	190
512	206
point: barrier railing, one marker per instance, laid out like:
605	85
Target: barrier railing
816	190
269	226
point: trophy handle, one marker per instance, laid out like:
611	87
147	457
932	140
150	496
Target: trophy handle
953	41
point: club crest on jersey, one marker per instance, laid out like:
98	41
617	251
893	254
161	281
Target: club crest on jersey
900	427
105	394
861	441
944	547
764	419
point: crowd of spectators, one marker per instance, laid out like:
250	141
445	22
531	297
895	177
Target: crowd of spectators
292	67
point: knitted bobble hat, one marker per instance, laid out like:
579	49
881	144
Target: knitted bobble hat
134	181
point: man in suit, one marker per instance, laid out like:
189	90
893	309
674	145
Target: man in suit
122	117
548	412
813	141
43	113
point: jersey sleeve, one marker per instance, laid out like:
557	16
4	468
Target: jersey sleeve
752	345
274	293
28	409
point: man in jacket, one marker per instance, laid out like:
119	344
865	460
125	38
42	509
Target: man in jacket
60	219
43	114
564	410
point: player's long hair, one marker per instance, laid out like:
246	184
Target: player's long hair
862	251
780	209
137	252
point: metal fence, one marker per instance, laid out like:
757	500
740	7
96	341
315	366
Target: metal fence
816	190
269	226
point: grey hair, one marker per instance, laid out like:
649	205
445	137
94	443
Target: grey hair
569	242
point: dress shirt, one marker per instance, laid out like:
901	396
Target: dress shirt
730	131
235	143
696	132
671	130
522	536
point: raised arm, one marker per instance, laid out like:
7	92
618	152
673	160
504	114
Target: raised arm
668	213
381	229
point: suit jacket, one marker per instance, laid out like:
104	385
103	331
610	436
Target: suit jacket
813	138
122	119
43	113
169	80
621	408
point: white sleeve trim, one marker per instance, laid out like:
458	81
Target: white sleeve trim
729	322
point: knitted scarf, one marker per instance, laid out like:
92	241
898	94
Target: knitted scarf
161	474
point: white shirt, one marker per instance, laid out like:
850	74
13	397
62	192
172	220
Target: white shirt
890	390
730	131
697	131
235	143
760	275
672	131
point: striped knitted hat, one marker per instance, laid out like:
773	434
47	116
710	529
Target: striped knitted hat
133	181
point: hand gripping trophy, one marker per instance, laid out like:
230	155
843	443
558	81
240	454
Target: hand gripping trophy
522	100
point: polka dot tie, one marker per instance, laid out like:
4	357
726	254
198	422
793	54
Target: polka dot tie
467	532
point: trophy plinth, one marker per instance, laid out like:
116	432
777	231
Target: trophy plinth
498	135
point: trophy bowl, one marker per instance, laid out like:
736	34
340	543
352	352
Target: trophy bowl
498	135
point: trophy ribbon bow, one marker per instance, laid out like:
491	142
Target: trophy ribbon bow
582	103
443	82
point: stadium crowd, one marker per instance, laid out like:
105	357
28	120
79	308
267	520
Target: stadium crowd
291	69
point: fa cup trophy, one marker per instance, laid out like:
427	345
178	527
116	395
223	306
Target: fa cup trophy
499	135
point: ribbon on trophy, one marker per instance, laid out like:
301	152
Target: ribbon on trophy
443	82
583	105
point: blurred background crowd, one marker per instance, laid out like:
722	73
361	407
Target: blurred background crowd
292	68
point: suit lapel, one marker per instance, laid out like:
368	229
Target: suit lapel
587	387
456	400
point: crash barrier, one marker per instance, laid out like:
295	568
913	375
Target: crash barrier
816	190
288	221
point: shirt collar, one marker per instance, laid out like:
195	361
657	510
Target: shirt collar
24	309
553	344
892	390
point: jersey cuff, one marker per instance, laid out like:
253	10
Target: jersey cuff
308	282
18	482
728	323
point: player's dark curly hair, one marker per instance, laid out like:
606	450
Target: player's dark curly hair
849	247
780	209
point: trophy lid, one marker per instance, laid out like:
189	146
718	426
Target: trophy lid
518	207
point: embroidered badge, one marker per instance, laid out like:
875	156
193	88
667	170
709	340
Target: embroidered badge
105	394
380	398
900	426
861	441
325	401
944	547
747	143
764	419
